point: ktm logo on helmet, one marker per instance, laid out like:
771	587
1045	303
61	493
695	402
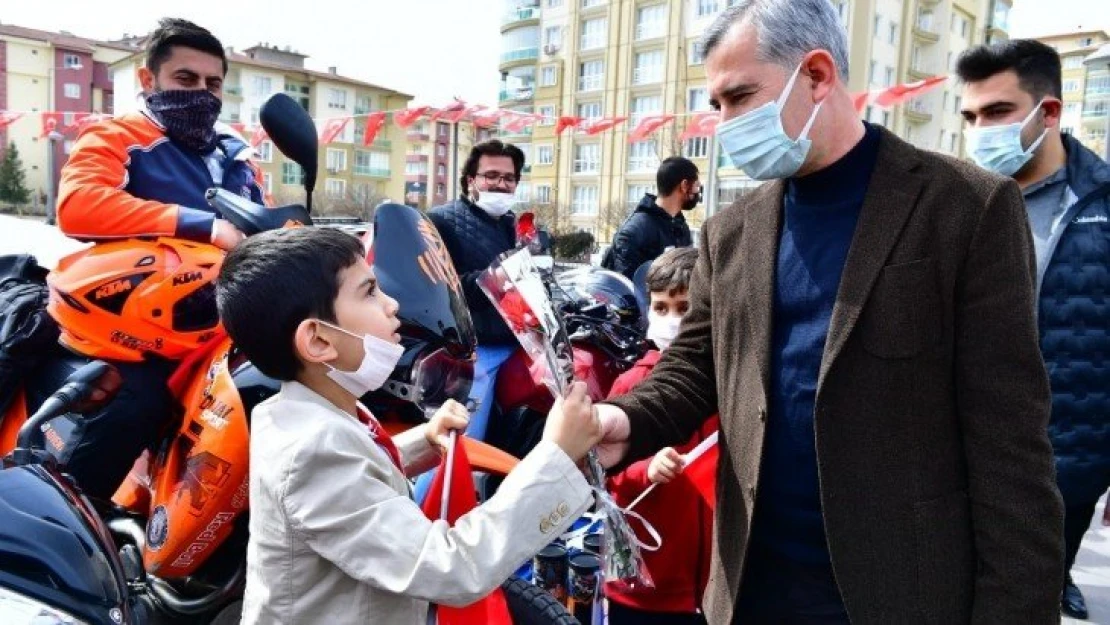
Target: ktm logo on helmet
113	288
186	278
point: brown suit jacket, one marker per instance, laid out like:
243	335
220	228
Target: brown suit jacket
937	480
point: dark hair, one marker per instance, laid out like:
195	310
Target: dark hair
671	271
493	147
272	282
672	172
1036	65
173	31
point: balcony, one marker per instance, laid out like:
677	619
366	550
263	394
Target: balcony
521	56
513	95
921	71
924	30
233	91
417	135
416	158
524	132
647	75
523	16
650	30
372	172
919	112
1096	111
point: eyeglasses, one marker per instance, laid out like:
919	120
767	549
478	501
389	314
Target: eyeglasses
491	177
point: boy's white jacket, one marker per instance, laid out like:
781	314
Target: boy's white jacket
335	537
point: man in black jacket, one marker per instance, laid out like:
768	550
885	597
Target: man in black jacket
657	223
478	227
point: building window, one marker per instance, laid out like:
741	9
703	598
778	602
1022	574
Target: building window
591	75
1073	62
419	168
441	150
589	110
266	152
268	182
874	73
363	105
291	173
644	106
698	147
548	76
71	61
886	119
697	53
371	163
553	36
957	104
593	34
585	200
697	99
543	194
878	26
953	142
1086	41
261	86
547	113
441	129
337	160
888	80
254	117
441	188
587	158
844	10
892	37
651	21
545	155
553	4
335	187
337	98
586	4
441	170
642	157
636	192
72	90
1071	86
708	7
649	68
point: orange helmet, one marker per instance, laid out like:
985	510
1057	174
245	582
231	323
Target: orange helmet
127	299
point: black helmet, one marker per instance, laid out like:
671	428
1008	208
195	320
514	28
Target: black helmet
606	287
413	267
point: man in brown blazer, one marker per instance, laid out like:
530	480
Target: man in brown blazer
864	325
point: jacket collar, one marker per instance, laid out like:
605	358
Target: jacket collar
295	391
649	207
1086	171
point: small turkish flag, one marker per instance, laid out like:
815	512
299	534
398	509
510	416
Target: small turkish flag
259	136
648	126
408	117
454	476
8	117
900	93
700	468
599	126
374	123
701	125
332	129
52	122
860	100
566	122
518	121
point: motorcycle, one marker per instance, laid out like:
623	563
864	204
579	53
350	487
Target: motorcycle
181	514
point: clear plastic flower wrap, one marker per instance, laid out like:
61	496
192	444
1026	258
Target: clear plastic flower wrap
515	287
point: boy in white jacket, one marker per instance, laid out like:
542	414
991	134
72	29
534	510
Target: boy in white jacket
334	536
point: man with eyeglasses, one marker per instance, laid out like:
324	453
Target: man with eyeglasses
476	228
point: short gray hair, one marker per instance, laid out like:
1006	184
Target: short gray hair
787	30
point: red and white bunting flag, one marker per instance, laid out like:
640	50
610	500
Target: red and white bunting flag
701	125
332	129
598	126
408	117
566	122
7	118
648	126
52	122
239	127
449	111
860	100
700	468
374	123
900	93
487	118
258	137
81	121
517	121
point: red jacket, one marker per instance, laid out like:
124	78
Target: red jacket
680	568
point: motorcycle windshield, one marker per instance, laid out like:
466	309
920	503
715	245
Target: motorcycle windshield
516	288
606	287
413	267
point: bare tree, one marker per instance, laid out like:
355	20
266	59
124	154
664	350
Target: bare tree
357	202
549	216
610	218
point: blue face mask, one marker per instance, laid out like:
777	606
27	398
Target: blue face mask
757	143
999	149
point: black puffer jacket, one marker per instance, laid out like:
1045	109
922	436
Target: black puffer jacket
475	240
646	234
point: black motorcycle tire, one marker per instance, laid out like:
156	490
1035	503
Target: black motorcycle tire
531	605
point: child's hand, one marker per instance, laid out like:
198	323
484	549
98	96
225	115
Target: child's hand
450	416
665	466
572	423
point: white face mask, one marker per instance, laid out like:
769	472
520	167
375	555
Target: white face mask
662	330
757	143
999	149
495	203
379	357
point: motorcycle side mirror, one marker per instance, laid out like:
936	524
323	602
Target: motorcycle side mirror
294	133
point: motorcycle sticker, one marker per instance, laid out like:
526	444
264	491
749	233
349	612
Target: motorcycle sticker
157	529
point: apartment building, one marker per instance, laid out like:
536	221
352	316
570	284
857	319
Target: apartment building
44	71
352	177
1086	87
599	58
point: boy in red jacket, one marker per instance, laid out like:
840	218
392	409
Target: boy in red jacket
680	568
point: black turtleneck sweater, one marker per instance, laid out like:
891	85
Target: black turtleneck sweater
820	212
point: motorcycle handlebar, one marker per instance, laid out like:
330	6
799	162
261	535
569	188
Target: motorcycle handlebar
251	218
79	388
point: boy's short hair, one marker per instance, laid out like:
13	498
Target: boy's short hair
273	281
670	272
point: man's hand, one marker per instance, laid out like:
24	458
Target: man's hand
450	416
572	423
615	431
226	236
665	466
